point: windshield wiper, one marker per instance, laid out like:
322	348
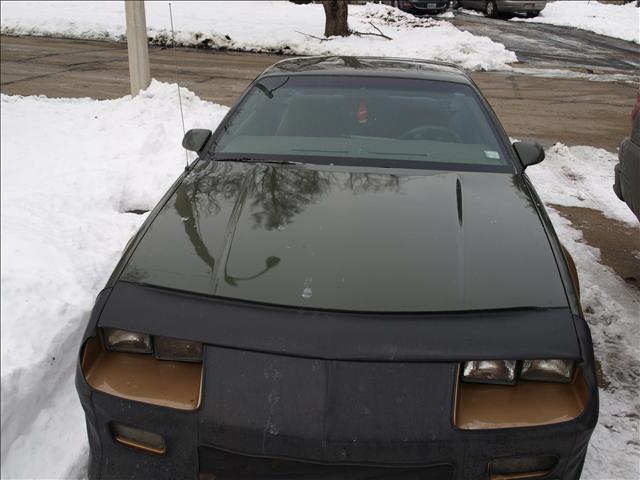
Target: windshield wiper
256	160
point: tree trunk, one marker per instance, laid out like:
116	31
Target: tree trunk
335	12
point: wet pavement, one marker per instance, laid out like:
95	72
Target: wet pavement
544	46
618	242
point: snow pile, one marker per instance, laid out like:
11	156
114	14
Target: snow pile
612	309
631	79
263	27
71	169
583	176
617	21
475	13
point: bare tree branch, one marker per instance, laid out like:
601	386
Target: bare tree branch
354	32
379	31
313	36
379	34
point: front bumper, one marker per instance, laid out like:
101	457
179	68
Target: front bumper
266	416
300	401
425	7
514	6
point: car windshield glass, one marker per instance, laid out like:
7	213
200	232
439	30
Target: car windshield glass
376	121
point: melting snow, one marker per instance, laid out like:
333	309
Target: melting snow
617	21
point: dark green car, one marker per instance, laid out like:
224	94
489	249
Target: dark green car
354	280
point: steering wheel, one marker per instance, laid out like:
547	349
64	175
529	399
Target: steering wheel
431	132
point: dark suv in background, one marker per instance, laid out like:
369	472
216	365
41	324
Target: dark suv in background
493	8
418	7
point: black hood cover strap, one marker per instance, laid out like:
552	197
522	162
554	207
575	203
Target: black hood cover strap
512	334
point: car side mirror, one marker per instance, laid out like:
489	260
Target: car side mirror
530	153
195	139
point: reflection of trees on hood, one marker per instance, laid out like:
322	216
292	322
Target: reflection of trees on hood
281	193
205	188
274	193
201	194
189	217
371	182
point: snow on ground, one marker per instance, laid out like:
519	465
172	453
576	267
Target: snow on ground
446	15
617	21
583	176
476	13
631	79
71	169
233	25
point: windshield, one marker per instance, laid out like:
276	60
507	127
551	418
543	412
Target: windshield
376	121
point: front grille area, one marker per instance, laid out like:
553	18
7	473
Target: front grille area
223	465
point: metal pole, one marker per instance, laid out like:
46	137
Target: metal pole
139	72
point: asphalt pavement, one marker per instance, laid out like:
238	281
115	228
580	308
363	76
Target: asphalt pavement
543	46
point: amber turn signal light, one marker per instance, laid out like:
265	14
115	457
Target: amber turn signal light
139	439
522	468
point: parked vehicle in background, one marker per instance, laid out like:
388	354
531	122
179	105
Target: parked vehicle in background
419	7
493	8
627	172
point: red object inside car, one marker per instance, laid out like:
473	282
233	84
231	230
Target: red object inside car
363	114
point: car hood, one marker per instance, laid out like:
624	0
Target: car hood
351	238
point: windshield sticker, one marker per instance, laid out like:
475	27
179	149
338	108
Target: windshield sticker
492	154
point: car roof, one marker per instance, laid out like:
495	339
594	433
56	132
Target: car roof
370	66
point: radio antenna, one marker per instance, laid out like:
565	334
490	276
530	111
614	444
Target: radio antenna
175	57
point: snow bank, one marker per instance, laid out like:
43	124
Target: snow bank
617	21
631	79
474	13
612	309
583	176
262	27
71	169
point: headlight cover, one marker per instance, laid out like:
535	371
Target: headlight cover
124	341
547	370
490	371
166	348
